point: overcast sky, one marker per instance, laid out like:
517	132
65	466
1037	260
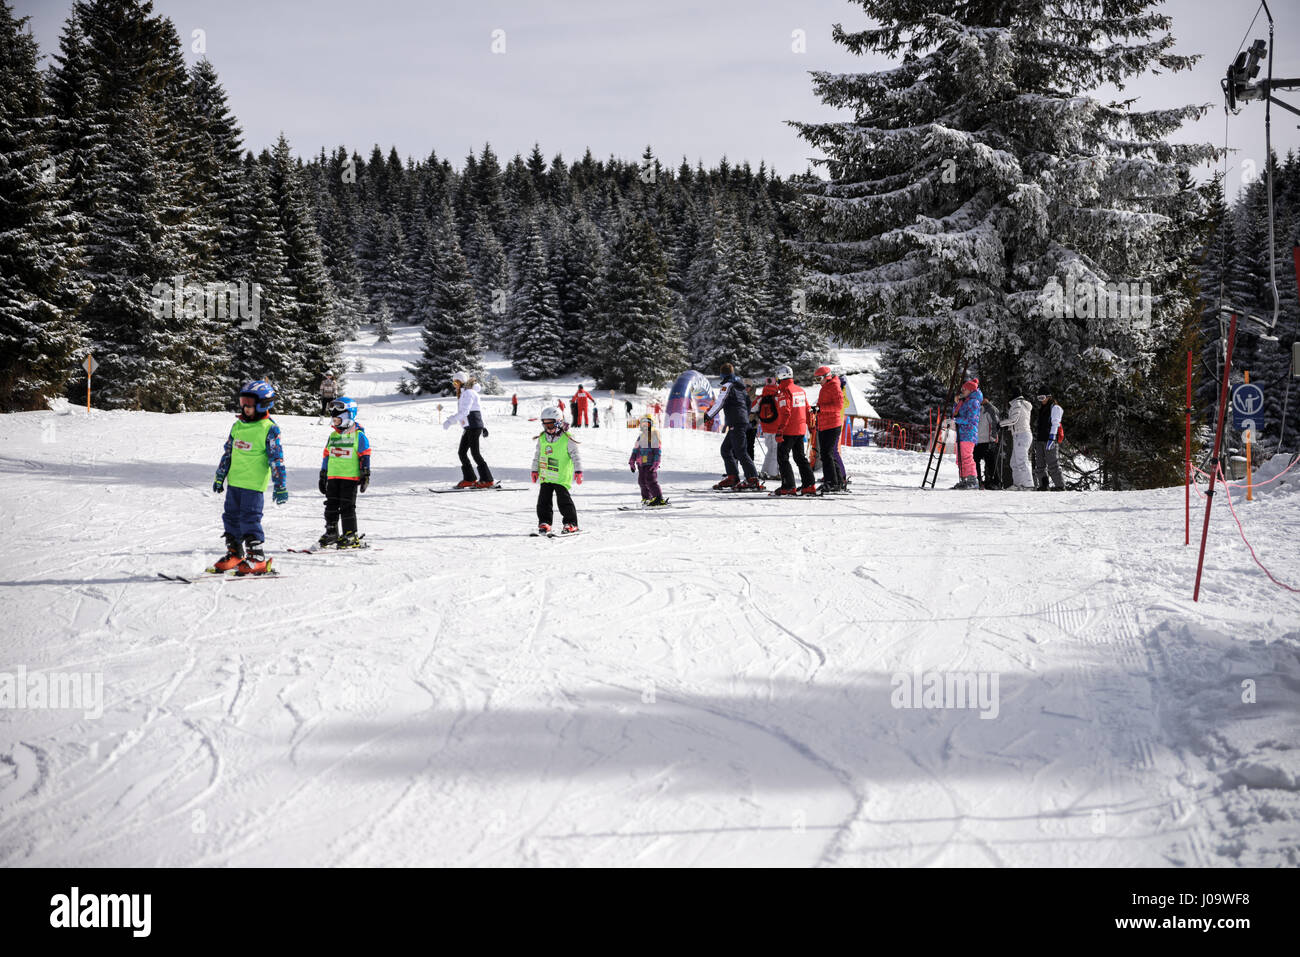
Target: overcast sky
691	78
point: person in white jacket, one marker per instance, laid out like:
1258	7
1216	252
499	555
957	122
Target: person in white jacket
1018	421
470	416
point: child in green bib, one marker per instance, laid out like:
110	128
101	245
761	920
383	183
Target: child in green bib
344	471
251	458
557	463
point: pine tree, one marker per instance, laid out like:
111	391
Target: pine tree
639	342
791	329
725	301
979	171
384	327
40	336
904	388
452	331
314	310
537	333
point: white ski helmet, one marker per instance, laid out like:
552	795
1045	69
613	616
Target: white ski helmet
551	412
460	375
784	372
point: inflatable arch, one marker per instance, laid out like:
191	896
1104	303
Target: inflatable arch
689	399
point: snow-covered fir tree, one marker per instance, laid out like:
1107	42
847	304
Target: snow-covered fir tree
453	322
314	309
537	347
638	341
904	388
978	174
40	294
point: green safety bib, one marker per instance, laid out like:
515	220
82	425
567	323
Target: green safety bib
554	463
343	449
250	466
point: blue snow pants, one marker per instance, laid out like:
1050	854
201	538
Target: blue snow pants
243	515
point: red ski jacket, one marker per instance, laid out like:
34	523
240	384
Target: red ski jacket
580	399
791	409
830	405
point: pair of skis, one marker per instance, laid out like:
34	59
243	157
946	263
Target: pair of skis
496	487
212	573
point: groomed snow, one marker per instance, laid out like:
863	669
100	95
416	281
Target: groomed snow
703	686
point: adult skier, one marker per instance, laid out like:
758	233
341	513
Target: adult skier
792	427
732	403
581	399
986	446
966	412
252	456
557	463
328	390
514	404
344	471
830	425
1017	421
470	416
1046	448
764	410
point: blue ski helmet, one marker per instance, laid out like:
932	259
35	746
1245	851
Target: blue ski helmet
262	391
344	409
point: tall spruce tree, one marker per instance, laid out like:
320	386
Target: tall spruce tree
979	170
40	294
453	323
639	341
537	330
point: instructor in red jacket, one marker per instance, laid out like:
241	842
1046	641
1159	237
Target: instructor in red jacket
792	426
580	400
830	423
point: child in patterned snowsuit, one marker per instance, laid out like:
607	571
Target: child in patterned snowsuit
644	460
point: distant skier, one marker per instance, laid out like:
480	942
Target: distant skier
792	426
986	446
644	461
732	403
252	456
764	411
595	414
328	390
344	471
470	416
1017	420
627	405
830	425
557	463
581	399
966	413
1046	448
514	404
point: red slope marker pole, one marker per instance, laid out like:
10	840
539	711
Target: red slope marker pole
1218	439
1187	481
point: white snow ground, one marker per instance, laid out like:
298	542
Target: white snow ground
702	686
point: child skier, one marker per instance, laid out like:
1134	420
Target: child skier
252	456
557	463
344	471
644	460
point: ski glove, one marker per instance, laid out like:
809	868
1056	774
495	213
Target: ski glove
1051	443
534	476
447	424
485	432
633	466
365	480
281	496
324	490
577	477
218	485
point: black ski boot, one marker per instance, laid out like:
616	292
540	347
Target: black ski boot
234	555
255	561
352	540
329	539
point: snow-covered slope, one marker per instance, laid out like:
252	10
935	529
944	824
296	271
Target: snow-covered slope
713	685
